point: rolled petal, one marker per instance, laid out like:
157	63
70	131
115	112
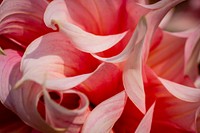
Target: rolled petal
69	118
22	19
145	124
59	65
104	116
62	13
22	101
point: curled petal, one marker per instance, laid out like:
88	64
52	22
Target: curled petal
137	37
16	25
57	13
153	20
58	63
105	114
71	120
132	77
22	101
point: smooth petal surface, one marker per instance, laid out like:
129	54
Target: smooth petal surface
197	122
192	54
59	65
170	64
103	84
104	116
22	20
60	13
69	119
145	124
133	80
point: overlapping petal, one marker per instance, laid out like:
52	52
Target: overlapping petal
15	24
104	116
145	124
70	118
70	22
61	87
59	65
173	108
10	122
24	100
103	84
133	79
170	64
64	116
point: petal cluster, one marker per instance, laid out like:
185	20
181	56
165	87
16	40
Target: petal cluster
99	66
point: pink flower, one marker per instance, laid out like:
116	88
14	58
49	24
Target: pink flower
99	70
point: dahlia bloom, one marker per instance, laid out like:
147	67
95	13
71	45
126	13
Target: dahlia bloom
96	66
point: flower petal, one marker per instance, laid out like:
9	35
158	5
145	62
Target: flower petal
177	109
132	76
192	54
145	124
104	83
57	13
22	19
182	92
197	122
170	64
58	63
133	80
105	115
71	120
136	38
22	101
